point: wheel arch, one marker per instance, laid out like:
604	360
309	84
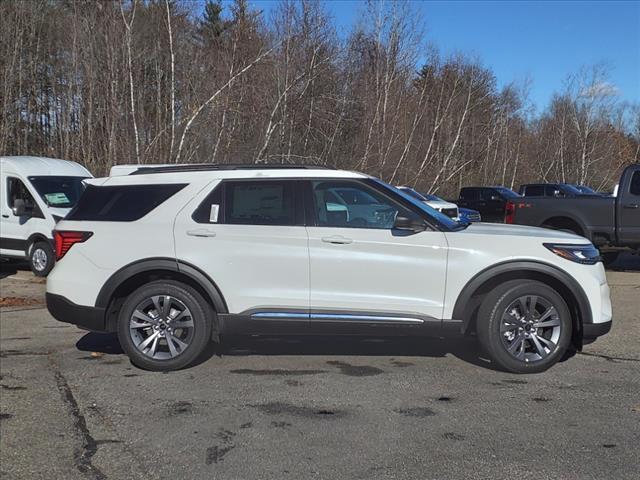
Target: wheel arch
37	237
559	222
470	298
131	276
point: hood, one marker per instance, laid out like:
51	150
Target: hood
522	231
59	212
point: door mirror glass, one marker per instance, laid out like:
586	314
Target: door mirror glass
409	224
20	208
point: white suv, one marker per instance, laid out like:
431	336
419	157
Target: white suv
171	258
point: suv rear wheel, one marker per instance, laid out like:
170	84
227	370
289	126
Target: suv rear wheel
164	325
524	326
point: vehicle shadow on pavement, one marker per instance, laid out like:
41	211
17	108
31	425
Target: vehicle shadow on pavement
10	268
626	262
466	350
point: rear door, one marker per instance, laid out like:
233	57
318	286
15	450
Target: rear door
629	211
365	274
249	237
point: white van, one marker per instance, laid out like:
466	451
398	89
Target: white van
36	193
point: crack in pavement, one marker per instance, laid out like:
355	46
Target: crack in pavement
609	358
89	447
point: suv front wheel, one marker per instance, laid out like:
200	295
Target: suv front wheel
164	325
524	326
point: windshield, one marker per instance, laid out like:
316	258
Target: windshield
434	198
507	193
410	191
59	192
439	218
584	189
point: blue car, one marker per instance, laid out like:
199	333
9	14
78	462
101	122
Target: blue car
469	216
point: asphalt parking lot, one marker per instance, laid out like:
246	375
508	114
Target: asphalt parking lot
72	406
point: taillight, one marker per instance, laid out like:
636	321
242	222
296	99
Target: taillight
64	240
509	212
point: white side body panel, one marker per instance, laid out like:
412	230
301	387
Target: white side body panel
378	271
483	245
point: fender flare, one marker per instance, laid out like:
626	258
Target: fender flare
521	266
37	237
166	264
586	232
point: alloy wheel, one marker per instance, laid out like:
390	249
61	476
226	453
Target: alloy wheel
161	327
39	259
530	328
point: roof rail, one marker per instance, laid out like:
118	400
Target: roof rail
202	167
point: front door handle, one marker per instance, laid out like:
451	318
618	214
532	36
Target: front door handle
5	215
630	205
201	232
337	240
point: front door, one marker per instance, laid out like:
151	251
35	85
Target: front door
363	272
16	229
629	210
249	237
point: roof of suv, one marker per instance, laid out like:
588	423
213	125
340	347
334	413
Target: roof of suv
199	172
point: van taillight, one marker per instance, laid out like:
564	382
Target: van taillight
64	240
509	212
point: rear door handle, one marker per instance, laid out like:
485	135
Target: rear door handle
201	232
5	216
337	239
630	205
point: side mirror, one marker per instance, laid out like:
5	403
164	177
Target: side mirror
409	224
20	208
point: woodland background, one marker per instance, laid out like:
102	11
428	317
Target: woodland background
162	81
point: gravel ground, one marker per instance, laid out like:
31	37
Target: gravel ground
72	406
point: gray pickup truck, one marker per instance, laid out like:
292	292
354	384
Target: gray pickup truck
611	223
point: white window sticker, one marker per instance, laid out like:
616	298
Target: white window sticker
213	214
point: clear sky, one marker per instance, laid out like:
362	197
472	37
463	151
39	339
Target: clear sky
541	40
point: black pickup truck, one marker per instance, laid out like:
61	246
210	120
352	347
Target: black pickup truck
611	223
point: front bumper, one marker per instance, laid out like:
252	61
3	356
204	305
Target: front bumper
591	331
64	310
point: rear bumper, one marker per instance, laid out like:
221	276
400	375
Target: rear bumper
64	310
591	331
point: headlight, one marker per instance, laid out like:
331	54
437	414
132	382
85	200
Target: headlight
585	254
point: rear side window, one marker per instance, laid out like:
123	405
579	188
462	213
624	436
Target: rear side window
250	202
259	203
124	203
536	191
469	194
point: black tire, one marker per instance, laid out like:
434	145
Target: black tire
41	258
504	299
197	339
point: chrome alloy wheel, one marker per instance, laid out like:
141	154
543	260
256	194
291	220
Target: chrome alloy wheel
39	259
161	327
530	328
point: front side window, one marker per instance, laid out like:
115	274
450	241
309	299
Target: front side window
635	184
60	192
340	203
259	203
17	190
